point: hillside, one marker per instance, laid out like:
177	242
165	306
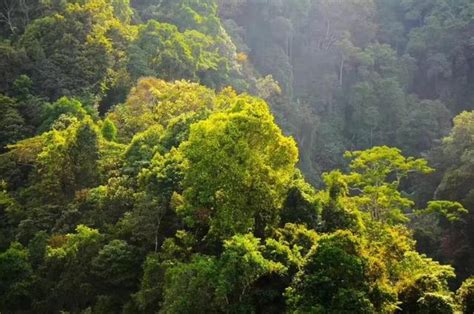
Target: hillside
236	156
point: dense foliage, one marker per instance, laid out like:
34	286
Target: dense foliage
236	156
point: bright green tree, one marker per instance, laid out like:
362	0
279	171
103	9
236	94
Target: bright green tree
377	174
465	295
109	130
239	165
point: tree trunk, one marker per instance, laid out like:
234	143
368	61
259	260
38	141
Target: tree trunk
341	69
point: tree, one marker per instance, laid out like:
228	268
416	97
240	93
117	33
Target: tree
13	62
161	50
240	186
218	284
68	261
465	295
337	213
335	278
190	286
154	216
454	158
116	268
10	215
122	10
16	15
156	102
288	246
65	161
427	122
301	205
12	124
83	153
30	106
77	51
437	40
59	109
424	285
7	15
240	266
371	187
150	293
16	278
377	174
109	130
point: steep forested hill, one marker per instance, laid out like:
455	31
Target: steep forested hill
236	156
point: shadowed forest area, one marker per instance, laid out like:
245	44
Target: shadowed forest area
237	156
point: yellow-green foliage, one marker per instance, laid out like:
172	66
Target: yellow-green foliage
239	166
155	101
203	185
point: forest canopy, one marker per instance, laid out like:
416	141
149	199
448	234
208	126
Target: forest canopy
236	156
